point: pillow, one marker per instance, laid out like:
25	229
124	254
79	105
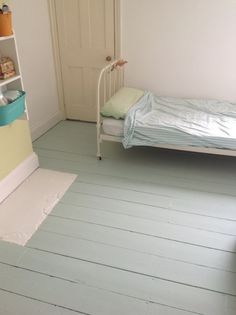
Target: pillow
120	103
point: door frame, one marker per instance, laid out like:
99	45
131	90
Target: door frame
56	50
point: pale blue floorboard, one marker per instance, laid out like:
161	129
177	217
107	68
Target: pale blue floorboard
13	304
144	231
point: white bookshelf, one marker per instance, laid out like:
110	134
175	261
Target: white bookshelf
8	48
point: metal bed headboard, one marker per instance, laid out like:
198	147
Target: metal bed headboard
111	79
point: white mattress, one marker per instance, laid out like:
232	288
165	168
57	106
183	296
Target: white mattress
113	127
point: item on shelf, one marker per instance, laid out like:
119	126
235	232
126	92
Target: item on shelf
12	111
7	68
6	64
5	9
3	99
7	75
5	20
11	95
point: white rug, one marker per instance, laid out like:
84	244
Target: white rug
27	207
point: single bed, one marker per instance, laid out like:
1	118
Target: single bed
206	126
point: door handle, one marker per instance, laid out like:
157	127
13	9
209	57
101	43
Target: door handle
108	58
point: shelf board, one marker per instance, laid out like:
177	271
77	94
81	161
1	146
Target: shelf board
2	38
7	81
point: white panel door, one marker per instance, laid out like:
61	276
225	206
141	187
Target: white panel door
86	34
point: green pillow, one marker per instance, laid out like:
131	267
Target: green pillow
119	104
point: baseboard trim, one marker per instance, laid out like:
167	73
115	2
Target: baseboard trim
38	131
18	175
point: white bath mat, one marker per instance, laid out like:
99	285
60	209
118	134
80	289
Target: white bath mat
26	208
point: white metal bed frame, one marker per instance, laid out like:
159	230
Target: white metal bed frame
111	79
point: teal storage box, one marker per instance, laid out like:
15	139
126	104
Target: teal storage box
12	111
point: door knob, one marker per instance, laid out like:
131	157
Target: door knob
108	58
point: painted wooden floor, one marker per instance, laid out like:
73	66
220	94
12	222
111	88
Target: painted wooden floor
144	232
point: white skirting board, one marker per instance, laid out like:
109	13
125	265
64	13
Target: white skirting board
38	131
26	208
18	175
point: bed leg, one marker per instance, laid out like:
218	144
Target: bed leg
99	155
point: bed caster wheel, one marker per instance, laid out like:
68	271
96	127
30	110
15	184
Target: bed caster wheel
99	158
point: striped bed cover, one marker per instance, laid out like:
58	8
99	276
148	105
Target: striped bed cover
157	121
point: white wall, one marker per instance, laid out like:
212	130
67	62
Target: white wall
32	28
181	47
